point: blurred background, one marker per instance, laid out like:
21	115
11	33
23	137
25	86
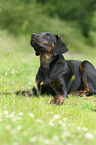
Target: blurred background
73	20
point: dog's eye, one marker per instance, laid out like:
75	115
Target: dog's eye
47	36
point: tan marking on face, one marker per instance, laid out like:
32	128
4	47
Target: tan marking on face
45	41
53	45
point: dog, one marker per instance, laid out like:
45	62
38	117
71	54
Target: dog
59	77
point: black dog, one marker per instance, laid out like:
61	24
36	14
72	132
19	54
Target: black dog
59	77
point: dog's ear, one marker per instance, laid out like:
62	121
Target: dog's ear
60	47
36	53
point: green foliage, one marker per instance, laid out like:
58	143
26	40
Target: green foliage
72	10
26	16
19	17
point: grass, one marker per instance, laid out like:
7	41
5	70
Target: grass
26	121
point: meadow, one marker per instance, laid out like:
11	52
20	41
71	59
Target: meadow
26	121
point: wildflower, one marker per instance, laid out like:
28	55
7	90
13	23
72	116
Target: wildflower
69	124
29	83
79	129
1	119
12	132
56	116
67	134
65	119
39	121
60	122
47	142
19	127
51	123
11	116
64	125
55	137
5	73
80	136
5	112
85	129
20	113
31	115
15	143
18	118
7	127
89	136
69	144
73	124
33	139
95	131
13	119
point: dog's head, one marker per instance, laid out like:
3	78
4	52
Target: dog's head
48	43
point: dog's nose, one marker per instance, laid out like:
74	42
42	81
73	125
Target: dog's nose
33	34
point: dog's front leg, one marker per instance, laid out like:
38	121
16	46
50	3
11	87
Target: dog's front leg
31	92
60	91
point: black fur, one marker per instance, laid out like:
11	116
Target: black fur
57	76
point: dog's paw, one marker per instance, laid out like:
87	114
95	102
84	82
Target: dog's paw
58	100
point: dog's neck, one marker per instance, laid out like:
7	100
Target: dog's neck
45	60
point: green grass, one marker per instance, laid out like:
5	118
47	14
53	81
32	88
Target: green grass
26	121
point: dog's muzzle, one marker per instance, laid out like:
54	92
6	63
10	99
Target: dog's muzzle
32	41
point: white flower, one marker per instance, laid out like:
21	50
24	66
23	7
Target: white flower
79	129
1	119
11	115
69	144
95	131
51	123
5	112
64	125
56	116
59	121
89	136
7	127
39	121
19	127
55	137
85	129
6	116
31	115
47	142
15	143
33	139
67	134
29	83
12	132
65	119
18	118
69	124
13	119
73	124
20	113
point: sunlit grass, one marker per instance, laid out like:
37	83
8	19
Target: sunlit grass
26	121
